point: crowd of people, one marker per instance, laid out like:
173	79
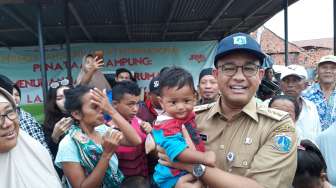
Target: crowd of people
239	127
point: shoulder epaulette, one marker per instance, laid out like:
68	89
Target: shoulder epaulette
203	107
272	113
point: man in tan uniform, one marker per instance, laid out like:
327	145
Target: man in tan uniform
249	140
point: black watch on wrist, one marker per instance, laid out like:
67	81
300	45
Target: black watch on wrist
198	170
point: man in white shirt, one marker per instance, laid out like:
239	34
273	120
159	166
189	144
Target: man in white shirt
326	142
293	82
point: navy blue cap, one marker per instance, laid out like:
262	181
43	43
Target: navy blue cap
154	85
239	42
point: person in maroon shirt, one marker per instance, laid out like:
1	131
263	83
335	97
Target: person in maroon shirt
150	108
132	160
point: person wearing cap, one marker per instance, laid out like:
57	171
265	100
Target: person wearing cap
150	108
323	93
148	111
207	87
24	161
293	82
255	146
326	142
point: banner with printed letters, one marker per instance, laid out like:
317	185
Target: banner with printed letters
22	64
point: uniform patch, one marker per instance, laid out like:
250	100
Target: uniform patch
284	128
282	143
203	107
272	113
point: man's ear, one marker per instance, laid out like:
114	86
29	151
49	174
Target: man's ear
306	84
261	73
195	98
282	84
198	88
77	115
323	176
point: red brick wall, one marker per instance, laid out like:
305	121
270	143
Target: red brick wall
315	55
273	45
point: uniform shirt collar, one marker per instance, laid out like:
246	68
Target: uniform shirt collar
250	109
216	109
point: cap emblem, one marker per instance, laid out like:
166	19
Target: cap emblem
239	40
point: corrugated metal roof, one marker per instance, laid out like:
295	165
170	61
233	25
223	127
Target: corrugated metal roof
133	20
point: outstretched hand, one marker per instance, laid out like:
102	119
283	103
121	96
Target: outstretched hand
93	65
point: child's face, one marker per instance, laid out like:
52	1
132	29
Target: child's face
178	103
127	106
286	106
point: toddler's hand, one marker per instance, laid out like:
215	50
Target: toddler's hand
146	127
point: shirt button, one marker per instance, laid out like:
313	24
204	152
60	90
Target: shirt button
222	146
244	163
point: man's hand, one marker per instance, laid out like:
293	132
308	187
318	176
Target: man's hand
210	158
188	181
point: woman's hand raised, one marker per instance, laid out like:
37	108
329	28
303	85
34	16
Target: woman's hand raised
100	99
61	127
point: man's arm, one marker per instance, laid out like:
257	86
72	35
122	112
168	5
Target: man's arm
85	78
89	69
214	177
194	157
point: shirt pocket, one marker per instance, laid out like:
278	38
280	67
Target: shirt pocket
241	163
243	160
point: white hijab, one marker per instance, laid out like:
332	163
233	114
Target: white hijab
27	165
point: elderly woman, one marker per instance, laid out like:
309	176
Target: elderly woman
87	153
24	161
